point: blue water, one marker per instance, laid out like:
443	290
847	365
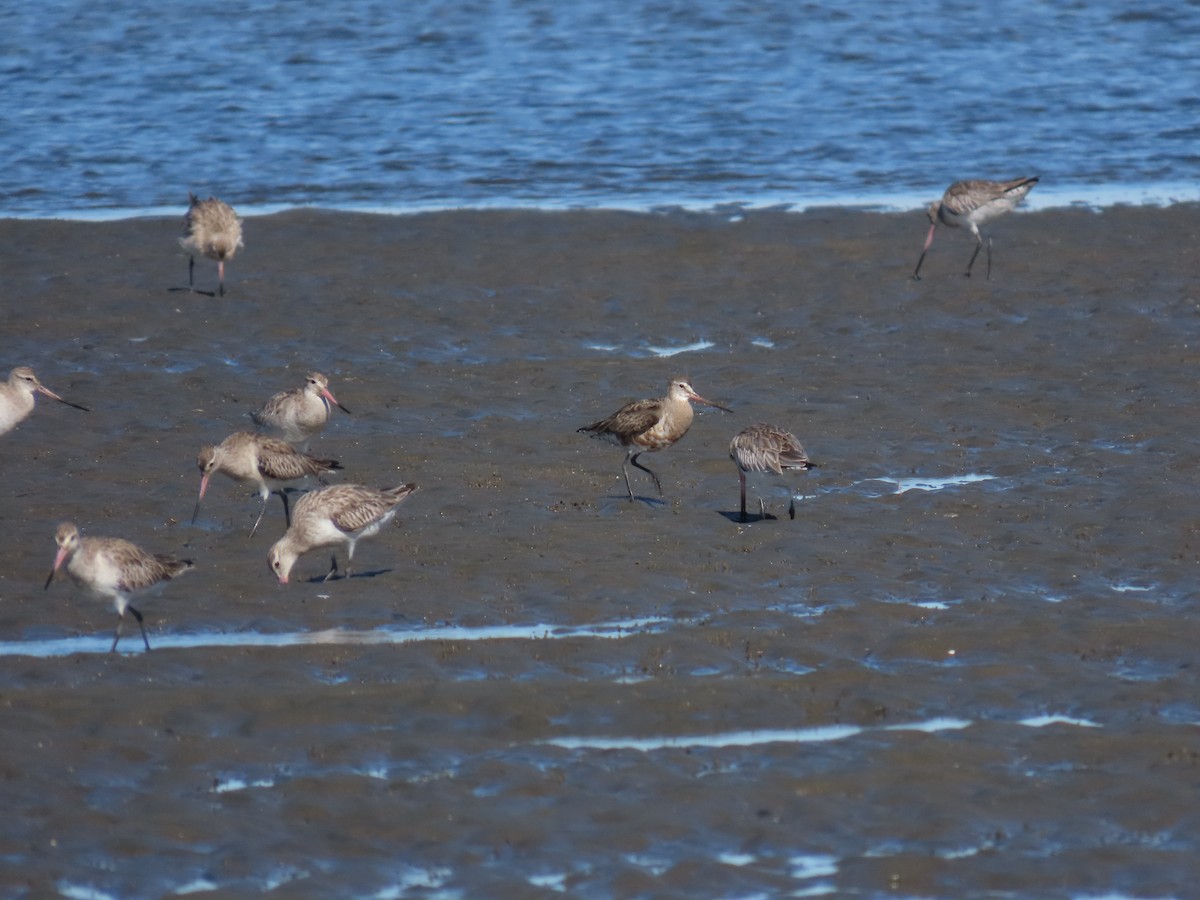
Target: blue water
119	108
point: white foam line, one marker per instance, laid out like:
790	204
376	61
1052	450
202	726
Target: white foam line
82	892
813	865
602	630
931	484
675	351
197	886
818	734
930	726
238	784
1043	721
1047	196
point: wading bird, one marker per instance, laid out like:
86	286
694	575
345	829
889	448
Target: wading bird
114	569
212	229
332	516
970	204
645	426
767	448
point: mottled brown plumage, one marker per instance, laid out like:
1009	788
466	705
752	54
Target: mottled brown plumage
114	569
766	448
331	516
644	426
265	462
971	204
212	229
297	415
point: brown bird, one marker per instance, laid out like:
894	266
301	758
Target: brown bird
114	569
648	425
971	204
265	462
331	516
300	413
767	448
17	397
212	229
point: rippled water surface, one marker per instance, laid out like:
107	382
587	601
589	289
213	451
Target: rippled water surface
126	106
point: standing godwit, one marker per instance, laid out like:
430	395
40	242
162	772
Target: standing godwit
300	413
17	397
330	516
115	569
265	462
214	230
972	203
767	448
648	425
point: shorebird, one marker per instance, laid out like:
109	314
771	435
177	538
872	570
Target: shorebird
767	448
971	204
300	413
115	569
17	397
330	516
265	462
644	426
214	230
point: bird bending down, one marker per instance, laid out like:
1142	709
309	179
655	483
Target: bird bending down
299	414
267	463
971	204
767	448
644	426
17	396
331	516
114	569
212	229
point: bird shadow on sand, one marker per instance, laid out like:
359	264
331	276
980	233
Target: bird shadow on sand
342	576
735	516
649	501
192	291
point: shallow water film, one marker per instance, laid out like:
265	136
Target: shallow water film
965	668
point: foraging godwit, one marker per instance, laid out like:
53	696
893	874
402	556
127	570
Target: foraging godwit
648	425
972	203
767	448
214	230
17	397
115	569
330	516
298	414
265	462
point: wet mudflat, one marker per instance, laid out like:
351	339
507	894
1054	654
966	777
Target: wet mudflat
966	666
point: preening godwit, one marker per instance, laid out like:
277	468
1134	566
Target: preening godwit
644	426
114	569
972	203
265	462
331	516
17	397
767	448
211	229
298	414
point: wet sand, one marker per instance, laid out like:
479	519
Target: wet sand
965	668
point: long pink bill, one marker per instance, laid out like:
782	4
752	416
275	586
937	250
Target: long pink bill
58	561
42	389
203	488
328	395
916	275
698	399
